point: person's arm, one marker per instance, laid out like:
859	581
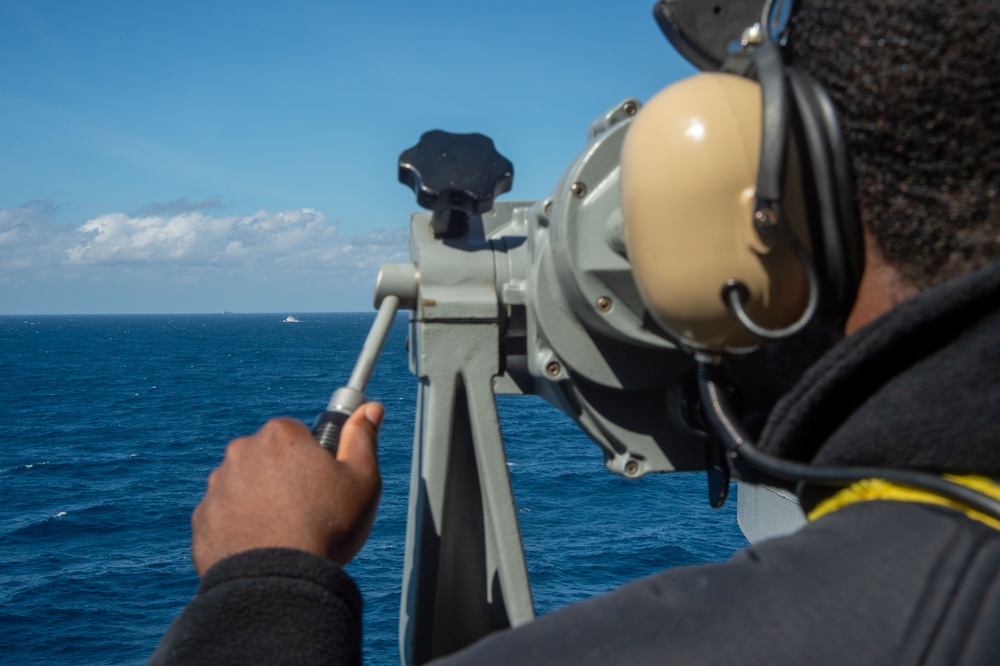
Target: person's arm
281	516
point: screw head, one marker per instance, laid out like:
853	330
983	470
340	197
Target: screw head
578	189
548	208
604	304
752	35
553	369
766	216
765	220
631	468
629	108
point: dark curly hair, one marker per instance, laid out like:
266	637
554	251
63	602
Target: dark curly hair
917	85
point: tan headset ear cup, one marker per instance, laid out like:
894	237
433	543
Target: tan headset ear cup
689	173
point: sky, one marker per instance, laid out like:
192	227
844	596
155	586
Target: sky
188	157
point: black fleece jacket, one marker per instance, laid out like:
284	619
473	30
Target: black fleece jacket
878	582
268	606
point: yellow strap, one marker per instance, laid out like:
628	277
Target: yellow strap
880	489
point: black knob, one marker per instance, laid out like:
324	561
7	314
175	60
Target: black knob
455	176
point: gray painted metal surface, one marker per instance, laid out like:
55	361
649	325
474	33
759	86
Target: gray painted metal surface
764	512
536	298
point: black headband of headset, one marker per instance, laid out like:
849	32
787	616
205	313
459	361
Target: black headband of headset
702	32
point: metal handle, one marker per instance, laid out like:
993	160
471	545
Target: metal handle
348	398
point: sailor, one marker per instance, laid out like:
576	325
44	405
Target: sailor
881	573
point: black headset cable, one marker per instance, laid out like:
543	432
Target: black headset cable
739	447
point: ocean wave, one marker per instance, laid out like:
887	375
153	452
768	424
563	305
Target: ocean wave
25	467
40	524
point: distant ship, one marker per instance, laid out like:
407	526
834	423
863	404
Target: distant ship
291	320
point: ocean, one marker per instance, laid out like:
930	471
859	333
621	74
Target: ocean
111	425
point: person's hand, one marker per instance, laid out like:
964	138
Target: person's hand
279	488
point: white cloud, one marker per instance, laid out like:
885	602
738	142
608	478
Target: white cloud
30	238
192	252
197	238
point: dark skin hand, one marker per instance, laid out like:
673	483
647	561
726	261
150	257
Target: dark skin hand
279	489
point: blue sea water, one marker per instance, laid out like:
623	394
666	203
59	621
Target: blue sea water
111	424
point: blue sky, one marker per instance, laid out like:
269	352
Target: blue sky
209	156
